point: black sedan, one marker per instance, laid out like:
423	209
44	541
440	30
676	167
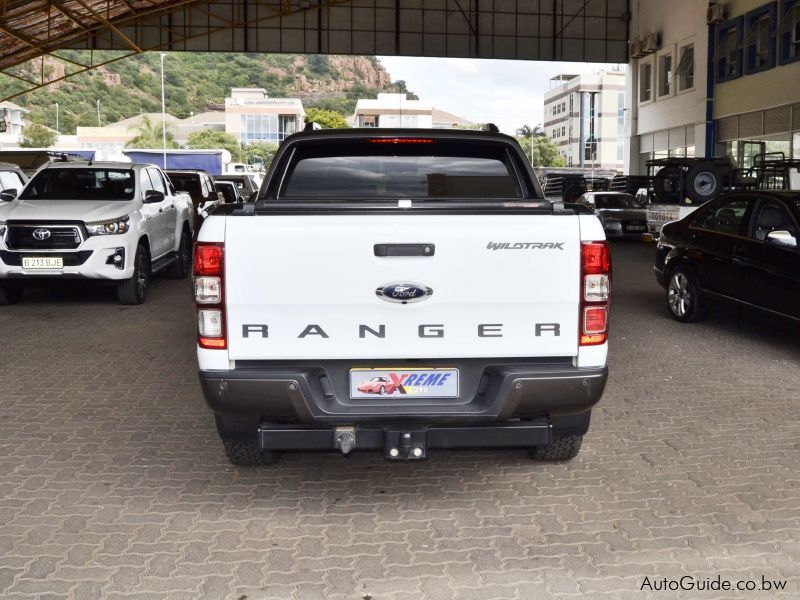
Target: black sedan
620	213
741	248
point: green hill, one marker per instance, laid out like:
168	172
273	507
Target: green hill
197	82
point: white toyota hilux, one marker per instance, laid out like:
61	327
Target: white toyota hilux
401	290
114	222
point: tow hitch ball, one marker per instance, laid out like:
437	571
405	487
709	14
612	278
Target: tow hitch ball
405	445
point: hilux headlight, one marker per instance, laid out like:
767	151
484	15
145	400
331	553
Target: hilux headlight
110	227
611	221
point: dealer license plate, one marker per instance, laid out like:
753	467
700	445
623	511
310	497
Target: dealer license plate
404	383
42	262
636	228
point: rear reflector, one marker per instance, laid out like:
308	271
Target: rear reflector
595	319
400	140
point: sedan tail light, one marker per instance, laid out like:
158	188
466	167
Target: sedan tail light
595	293
209	295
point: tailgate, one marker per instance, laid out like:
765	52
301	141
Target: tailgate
312	281
304	287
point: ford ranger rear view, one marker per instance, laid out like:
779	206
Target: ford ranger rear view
401	291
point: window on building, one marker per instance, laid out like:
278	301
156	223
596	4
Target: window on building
665	75
368	121
728	52
685	70
789	31
759	42
645	82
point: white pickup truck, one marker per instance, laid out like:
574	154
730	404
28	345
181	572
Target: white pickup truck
117	223
401	290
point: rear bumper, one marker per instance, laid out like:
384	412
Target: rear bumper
318	393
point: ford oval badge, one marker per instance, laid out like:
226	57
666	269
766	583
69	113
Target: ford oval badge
404	292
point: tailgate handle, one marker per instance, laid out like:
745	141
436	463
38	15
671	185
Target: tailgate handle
405	249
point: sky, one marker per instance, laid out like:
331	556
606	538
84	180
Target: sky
508	93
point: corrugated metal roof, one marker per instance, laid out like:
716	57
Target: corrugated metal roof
29	29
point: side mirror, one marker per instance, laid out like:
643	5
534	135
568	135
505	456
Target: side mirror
8	195
253	197
153	197
782	238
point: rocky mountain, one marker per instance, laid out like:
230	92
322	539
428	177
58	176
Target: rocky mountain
197	82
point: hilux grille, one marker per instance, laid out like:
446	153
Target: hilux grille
43	237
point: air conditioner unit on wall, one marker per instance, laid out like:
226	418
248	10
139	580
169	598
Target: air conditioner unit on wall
636	49
652	43
715	13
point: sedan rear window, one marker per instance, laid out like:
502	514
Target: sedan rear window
81	184
615	201
400	168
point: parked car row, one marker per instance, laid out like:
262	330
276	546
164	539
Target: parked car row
114	222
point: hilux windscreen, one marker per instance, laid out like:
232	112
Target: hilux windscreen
80	184
399	168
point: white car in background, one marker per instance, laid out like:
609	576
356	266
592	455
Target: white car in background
114	222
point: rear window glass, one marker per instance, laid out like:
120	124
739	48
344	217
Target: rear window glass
81	184
615	201
186	183
239	183
377	170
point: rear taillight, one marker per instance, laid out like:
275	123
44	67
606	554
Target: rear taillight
209	294
595	292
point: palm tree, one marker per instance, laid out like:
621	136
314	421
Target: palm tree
149	135
526	131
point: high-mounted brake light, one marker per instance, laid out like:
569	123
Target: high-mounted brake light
209	295
595	293
400	140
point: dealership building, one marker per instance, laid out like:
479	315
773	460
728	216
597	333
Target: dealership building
713	80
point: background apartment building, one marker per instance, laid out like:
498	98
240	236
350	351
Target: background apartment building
584	115
14	119
396	110
252	116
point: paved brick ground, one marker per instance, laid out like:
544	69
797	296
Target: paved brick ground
113	485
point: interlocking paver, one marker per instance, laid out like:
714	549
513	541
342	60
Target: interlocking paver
113	484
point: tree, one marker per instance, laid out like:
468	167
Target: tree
526	131
149	135
327	119
262	150
38	136
319	64
545	151
208	138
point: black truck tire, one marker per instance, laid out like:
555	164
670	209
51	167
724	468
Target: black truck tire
182	266
704	182
134	290
564	448
247	454
667	185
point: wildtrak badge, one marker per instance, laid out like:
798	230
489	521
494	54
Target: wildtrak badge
525	246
